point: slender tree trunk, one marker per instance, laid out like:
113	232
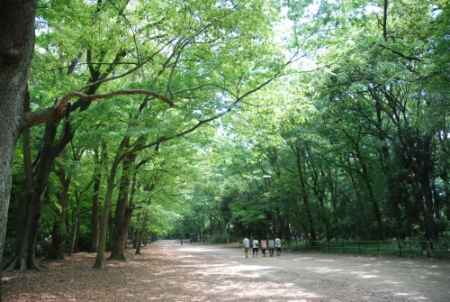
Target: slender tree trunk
120	221
304	194
129	212
76	227
424	174
362	217
59	233
138	243
26	245
100	159
100	258
367	182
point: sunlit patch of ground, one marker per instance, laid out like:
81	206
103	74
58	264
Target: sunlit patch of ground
169	272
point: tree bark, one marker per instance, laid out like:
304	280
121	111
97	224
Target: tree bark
76	227
100	159
122	205
16	48
100	258
28	230
59	233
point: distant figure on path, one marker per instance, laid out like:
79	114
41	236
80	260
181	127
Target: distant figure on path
271	247
278	246
181	241
246	243
255	246
263	247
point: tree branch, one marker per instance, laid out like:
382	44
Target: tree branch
58	111
199	123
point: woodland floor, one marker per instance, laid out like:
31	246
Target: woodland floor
170	272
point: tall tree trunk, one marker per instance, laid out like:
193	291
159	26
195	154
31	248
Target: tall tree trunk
140	233
100	258
59	233
424	175
304	194
100	159
368	184
120	221
16	48
26	245
129	212
76	226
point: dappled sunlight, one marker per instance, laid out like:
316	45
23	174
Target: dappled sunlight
116	264
302	258
198	249
260	290
411	296
244	271
389	282
170	273
325	260
323	270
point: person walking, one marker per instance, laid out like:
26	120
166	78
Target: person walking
246	243
278	246
271	247
255	246
264	247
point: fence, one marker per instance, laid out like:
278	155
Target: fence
402	248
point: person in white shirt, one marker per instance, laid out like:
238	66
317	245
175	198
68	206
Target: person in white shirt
246	243
255	246
278	246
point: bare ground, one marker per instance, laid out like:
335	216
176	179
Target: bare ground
169	272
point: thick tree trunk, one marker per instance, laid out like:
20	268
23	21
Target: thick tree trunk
16	48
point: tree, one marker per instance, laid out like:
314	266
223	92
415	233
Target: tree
17	35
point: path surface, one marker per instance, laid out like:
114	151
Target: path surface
170	272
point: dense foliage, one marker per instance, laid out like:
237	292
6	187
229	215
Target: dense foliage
353	143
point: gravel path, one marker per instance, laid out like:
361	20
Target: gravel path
170	272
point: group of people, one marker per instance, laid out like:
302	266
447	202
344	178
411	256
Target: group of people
271	245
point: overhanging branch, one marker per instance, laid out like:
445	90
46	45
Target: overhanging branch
58	111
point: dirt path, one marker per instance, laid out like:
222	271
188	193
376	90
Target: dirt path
169	272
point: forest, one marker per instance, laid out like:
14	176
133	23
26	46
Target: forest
123	121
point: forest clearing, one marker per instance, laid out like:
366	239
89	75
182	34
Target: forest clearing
167	271
316	126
